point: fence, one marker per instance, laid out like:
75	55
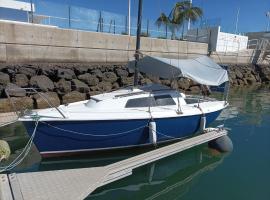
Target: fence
73	17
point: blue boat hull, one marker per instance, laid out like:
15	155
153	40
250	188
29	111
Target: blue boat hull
60	137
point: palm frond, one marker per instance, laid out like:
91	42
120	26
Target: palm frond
162	20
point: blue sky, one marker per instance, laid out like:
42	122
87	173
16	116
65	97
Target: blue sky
252	15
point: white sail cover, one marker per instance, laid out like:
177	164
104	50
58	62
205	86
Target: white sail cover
202	69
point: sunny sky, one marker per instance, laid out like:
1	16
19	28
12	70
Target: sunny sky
252	15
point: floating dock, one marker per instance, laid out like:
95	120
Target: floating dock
77	184
8	118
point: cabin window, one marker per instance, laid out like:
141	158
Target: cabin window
162	100
141	102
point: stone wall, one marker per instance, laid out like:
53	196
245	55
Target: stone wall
65	83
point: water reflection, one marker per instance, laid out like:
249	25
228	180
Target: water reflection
168	178
252	104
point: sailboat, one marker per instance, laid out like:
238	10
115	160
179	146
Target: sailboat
133	116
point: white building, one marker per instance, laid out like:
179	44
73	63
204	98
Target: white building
219	41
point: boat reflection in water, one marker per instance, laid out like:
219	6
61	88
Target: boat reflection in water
169	178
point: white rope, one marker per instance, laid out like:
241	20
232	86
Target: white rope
23	154
95	135
168	136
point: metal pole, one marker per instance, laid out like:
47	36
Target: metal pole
69	21
236	23
268	15
138	43
166	30
189	18
147	29
32	14
129	17
126	25
114	26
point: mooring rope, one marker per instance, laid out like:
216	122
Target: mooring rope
95	135
24	152
107	135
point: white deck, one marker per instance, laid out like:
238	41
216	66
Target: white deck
77	184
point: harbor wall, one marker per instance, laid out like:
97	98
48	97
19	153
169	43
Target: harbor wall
30	43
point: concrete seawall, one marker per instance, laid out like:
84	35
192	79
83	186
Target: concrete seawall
28	43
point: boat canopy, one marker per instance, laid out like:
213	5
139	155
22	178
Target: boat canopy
202	69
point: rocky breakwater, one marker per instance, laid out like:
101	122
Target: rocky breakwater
59	83
66	83
249	75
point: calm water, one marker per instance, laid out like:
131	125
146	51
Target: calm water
198	173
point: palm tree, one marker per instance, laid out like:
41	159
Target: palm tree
167	22
181	12
163	20
184	11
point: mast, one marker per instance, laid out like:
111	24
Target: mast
129	17
138	43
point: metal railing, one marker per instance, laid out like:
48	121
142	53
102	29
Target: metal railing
73	17
22	109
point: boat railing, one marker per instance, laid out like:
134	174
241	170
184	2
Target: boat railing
22	106
191	99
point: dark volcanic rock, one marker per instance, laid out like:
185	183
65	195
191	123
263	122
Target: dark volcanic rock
67	74
49	71
232	74
42	82
10	70
264	72
21	80
28	71
63	86
51	97
73	97
238	74
4	78
183	83
126	81
174	84
109	77
105	86
97	73
79	86
89	79
240	82
195	89
166	82
121	72
250	79
20	103
115	86
145	81
15	91
81	69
